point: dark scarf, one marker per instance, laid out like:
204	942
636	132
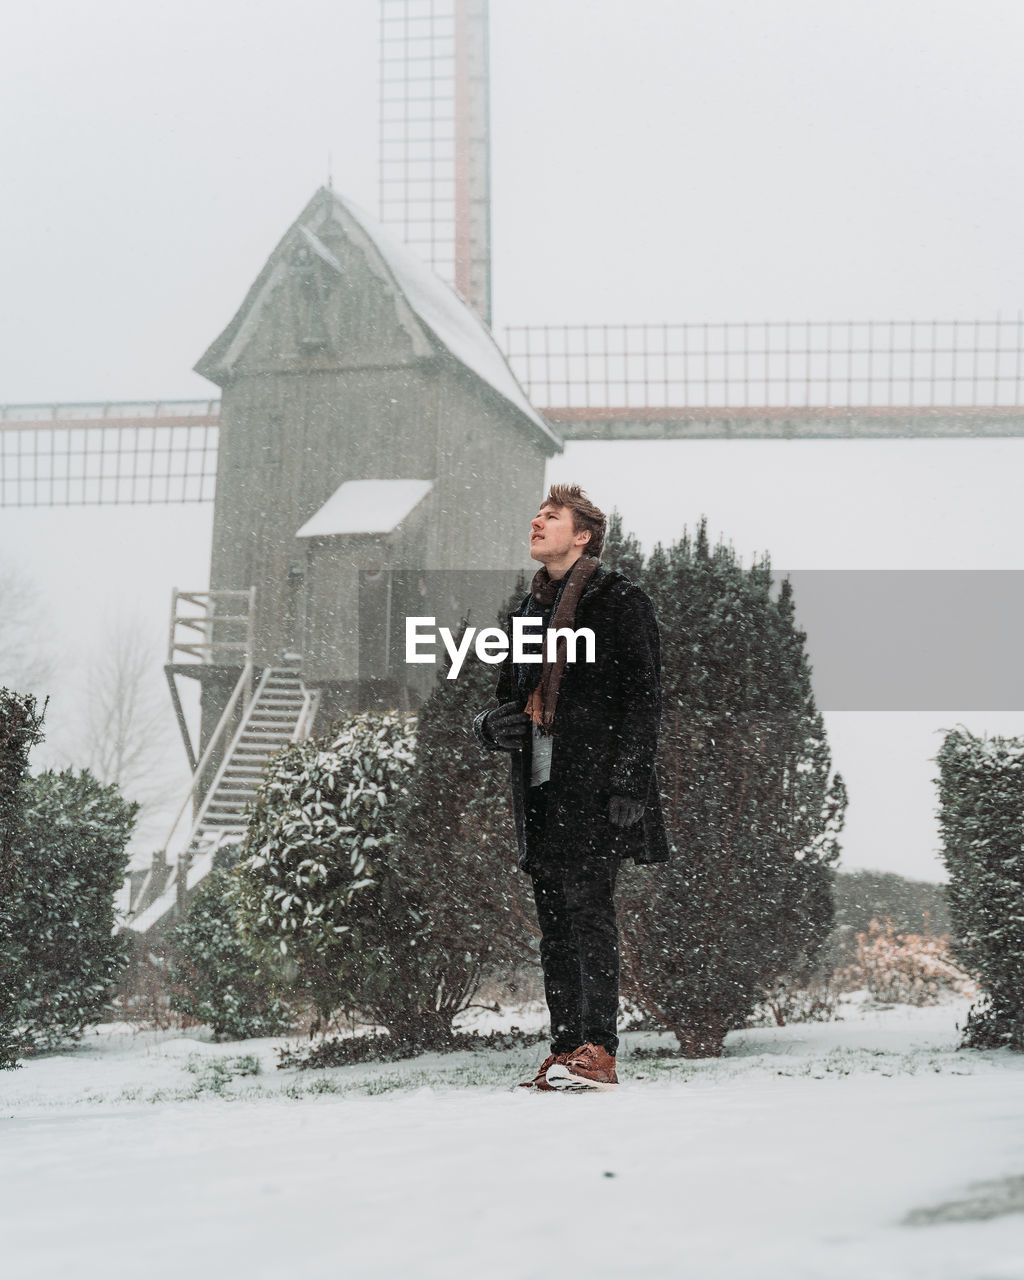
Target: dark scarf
540	706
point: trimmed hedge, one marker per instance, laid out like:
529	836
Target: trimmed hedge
981	817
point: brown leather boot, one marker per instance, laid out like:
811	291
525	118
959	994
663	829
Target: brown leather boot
540	1080
590	1066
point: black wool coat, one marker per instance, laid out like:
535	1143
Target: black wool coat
605	734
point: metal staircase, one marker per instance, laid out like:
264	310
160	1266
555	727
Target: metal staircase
281	710
271	722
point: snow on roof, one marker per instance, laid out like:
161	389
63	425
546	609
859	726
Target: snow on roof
449	317
366	506
443	319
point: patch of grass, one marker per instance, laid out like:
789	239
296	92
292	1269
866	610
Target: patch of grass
347	1051
213	1075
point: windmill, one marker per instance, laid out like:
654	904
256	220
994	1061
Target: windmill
364	395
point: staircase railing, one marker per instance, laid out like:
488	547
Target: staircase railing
226	757
244	681
221	639
181	856
310	706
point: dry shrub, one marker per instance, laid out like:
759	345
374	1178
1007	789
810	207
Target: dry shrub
904	968
785	1002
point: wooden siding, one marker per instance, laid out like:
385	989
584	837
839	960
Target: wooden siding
329	377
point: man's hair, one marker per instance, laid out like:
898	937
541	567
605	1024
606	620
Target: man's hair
586	518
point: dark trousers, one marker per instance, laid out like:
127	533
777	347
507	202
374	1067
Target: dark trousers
579	942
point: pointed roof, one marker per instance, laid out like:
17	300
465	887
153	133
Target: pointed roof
436	316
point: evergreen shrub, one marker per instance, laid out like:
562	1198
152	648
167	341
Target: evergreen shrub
751	806
981	819
215	977
378	865
73	853
319	839
456	857
21	722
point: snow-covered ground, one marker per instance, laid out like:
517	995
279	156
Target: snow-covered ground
867	1147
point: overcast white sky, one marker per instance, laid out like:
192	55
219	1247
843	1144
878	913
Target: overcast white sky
652	161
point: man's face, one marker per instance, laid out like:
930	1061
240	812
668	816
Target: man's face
552	537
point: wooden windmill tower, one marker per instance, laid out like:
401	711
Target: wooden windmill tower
377	457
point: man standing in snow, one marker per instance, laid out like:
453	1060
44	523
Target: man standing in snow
583	738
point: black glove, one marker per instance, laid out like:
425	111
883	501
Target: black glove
623	812
507	726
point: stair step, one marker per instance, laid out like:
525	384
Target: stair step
269	727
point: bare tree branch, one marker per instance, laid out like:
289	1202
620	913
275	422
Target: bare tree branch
128	734
27	658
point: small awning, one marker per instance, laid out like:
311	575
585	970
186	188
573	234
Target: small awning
366	506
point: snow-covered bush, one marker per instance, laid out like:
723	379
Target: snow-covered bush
319	837
981	818
214	976
455	860
378	866
749	800
903	968
73	850
20	729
